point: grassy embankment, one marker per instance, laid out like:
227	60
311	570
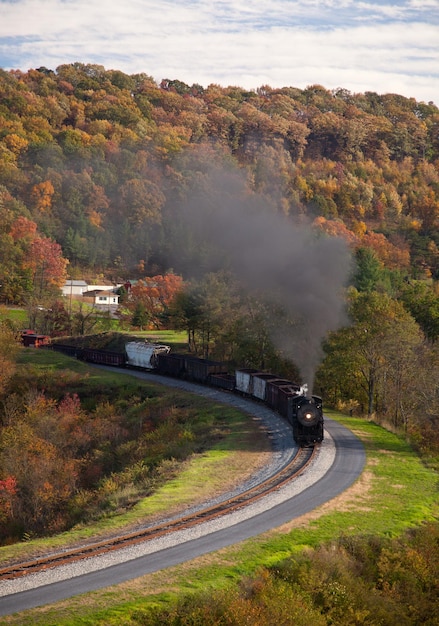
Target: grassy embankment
230	442
395	492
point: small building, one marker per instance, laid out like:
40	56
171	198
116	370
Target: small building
100	297
73	288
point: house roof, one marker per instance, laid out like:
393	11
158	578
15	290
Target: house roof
102	292
76	283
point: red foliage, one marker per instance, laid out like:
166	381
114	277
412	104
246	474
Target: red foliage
23	228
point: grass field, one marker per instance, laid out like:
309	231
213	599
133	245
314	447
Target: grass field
15	315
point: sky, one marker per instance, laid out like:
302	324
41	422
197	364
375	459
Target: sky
384	46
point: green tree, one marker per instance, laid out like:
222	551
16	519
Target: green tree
140	317
372	361
423	304
368	272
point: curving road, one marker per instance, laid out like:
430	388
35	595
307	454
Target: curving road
342	459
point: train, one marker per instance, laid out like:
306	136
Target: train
302	410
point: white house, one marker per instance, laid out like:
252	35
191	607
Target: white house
101	297
74	288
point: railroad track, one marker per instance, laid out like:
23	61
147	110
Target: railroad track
290	471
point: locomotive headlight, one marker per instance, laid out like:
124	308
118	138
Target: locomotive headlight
308	415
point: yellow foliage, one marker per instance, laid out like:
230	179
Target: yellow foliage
15	143
359	228
42	194
95	219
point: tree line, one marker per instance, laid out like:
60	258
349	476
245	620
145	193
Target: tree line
100	161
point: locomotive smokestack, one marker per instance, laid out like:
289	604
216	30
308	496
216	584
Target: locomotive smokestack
304	391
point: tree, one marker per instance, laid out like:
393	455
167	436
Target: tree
140	318
423	304
9	347
372	361
141	200
207	310
85	319
185	313
151	297
48	266
369	270
41	195
55	321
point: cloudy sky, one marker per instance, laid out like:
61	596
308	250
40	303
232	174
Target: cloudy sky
387	46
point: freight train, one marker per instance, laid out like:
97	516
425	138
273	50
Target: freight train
292	401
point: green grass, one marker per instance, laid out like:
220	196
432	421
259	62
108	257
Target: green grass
177	339
164	336
15	315
395	492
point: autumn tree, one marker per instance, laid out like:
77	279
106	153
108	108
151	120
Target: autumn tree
41	195
44	480
151	297
8	489
48	267
9	347
141	200
39	267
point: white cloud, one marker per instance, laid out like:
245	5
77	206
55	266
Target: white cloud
361	46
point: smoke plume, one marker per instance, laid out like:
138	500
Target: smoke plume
270	254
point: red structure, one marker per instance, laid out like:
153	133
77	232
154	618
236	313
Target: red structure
31	339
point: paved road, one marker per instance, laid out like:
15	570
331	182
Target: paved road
348	463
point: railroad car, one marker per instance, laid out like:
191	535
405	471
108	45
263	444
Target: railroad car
302	410
73	351
31	339
171	365
103	357
144	354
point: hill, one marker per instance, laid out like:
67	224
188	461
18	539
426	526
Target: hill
102	162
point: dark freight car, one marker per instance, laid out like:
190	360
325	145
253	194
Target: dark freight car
73	351
171	365
223	381
273	391
200	370
103	357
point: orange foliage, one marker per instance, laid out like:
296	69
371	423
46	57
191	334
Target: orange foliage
155	293
42	196
392	256
23	228
46	262
95	219
335	228
8	489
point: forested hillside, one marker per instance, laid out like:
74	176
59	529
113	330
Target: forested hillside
99	160
104	174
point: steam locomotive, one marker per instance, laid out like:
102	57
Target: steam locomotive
292	401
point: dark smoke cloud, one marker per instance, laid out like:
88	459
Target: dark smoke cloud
270	254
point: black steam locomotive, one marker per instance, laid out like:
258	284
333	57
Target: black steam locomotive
303	411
